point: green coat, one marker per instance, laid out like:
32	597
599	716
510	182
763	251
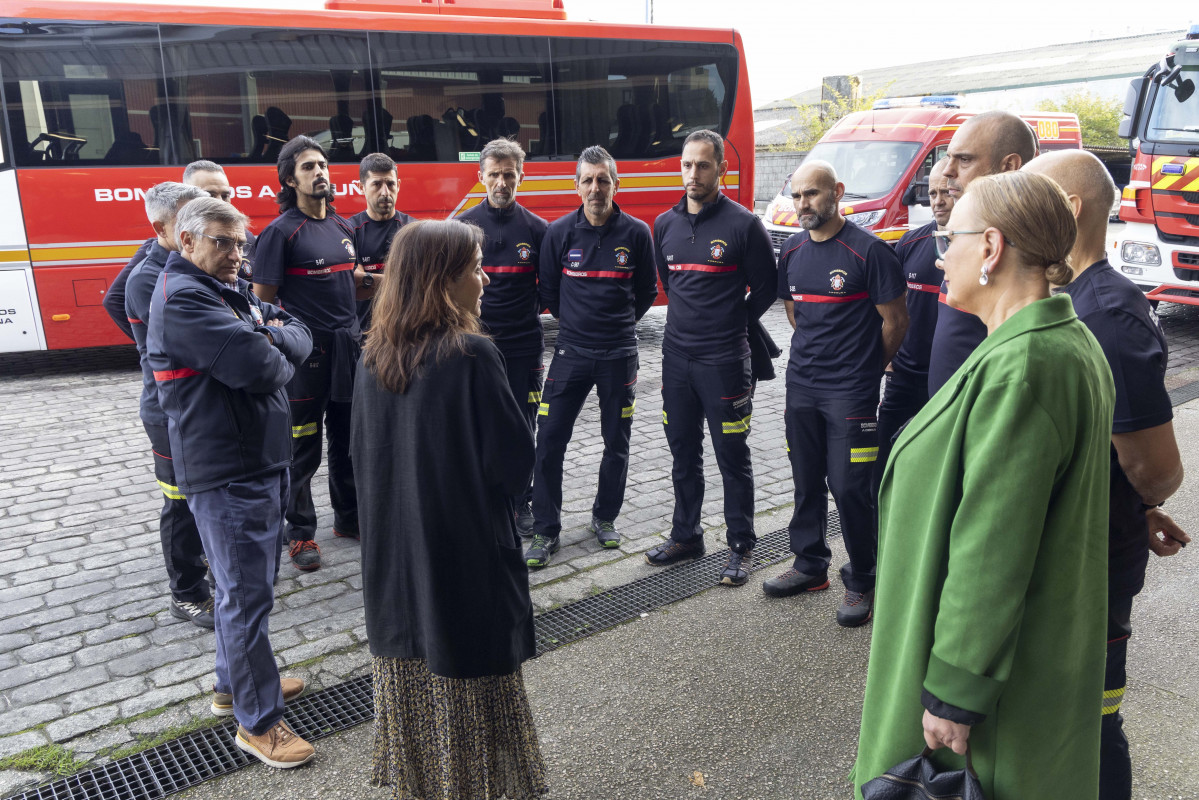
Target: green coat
992	563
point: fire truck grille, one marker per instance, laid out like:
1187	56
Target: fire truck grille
1191	197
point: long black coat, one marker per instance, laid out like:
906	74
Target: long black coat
443	575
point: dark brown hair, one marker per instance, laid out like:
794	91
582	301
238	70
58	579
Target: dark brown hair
414	317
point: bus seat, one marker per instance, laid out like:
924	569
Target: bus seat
626	130
258	129
446	139
173	133
278	126
422	143
128	148
341	134
376	122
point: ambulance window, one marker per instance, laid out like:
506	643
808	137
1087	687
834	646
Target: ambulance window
83	93
242	93
449	95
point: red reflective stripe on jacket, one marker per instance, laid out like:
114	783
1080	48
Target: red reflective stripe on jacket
823	298
596	273
172	374
322	270
924	287
702	268
490	270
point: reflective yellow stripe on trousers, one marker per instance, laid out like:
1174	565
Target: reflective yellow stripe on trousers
307	429
1112	698
171	492
740	426
860	455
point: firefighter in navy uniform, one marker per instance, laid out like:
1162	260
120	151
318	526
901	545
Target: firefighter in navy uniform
597	276
708	250
906	382
511	306
306	258
377	226
844	294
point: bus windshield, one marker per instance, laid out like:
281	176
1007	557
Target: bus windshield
1173	120
868	169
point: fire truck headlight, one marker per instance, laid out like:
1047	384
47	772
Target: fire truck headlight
865	218
1141	253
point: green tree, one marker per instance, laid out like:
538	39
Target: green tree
1099	117
814	120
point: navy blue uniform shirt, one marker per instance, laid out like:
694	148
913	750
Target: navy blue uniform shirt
918	260
312	263
705	262
1122	320
138	290
837	346
372	238
512	240
957	335
598	282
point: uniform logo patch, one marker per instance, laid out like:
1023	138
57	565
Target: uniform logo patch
717	249
575	255
524	252
349	247
622	257
836	280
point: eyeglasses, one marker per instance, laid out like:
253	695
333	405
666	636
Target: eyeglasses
942	240
225	246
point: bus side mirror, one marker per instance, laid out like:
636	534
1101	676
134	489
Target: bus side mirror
916	194
1132	103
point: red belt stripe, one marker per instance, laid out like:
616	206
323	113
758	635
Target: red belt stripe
596	273
702	268
493	270
924	287
822	298
322	270
172	374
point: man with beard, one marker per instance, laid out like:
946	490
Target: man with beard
708	249
511	308
305	257
376	227
844	294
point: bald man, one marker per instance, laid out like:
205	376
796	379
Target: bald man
844	294
986	144
1146	468
906	387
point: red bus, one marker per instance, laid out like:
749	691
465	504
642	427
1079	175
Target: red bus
104	100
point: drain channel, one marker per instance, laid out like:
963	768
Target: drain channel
1184	393
201	755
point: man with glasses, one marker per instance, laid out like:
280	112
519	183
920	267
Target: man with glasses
844	294
220	359
906	381
306	258
991	142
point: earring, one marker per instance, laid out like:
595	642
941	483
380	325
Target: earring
983	279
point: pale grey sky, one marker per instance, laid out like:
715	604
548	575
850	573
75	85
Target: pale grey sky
791	46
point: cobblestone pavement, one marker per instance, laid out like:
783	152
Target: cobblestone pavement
89	654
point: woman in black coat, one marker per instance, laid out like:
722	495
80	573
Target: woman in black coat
440	447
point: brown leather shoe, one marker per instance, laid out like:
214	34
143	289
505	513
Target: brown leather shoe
222	703
279	747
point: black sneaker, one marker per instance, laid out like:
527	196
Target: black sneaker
855	609
524	520
198	614
605	532
346	534
305	554
539	552
736	569
793	582
670	552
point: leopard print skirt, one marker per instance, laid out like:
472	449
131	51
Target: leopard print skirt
442	738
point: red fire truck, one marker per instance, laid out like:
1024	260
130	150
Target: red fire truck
1158	246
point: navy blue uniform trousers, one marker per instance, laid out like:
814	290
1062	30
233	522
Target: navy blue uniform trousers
526	376
182	549
1115	763
570	380
903	397
833	439
313	412
723	395
240	524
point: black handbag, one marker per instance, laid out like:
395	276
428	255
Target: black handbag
918	779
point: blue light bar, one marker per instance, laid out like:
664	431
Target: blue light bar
928	101
1193	32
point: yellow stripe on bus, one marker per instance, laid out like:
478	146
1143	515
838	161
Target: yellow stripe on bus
14	255
82	253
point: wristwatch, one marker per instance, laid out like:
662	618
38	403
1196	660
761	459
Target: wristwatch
368	280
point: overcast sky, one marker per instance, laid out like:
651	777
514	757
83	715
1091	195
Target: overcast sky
790	46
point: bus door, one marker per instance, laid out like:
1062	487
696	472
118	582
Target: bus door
20	324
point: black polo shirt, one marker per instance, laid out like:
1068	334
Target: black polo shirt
512	240
837	347
1122	320
917	258
312	263
598	282
705	262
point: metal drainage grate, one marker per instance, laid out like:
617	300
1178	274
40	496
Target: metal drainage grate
1184	393
210	753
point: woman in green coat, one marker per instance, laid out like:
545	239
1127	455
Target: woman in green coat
992	564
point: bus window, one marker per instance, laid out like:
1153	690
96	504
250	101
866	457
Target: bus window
445	96
248	91
640	99
84	93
